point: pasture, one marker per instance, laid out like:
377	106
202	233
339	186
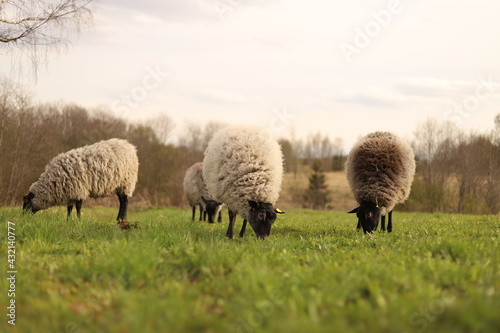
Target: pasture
434	273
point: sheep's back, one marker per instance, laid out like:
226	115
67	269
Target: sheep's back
97	170
380	168
112	166
194	186
243	163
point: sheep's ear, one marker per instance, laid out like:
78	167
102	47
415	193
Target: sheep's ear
355	210
253	204
29	196
279	211
203	198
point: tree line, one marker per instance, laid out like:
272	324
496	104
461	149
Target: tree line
457	171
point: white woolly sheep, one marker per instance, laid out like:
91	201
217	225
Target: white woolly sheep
380	170
197	194
100	170
243	169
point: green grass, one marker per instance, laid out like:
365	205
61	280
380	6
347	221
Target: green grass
434	273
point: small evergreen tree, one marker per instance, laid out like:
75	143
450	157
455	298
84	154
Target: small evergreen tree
317	196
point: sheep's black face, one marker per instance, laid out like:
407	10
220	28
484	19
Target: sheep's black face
261	218
212	207
28	203
368	216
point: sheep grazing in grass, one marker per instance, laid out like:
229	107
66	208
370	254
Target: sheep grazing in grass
243	168
197	194
95	171
380	170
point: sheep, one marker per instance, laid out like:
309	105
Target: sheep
100	170
197	194
380	170
243	169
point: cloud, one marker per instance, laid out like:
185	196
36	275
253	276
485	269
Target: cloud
372	97
166	10
432	87
217	96
187	10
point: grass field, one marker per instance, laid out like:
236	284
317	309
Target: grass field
434	273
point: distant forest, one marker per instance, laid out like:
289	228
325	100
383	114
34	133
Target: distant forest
457	171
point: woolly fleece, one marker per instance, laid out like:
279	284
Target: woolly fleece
194	186
380	168
243	163
100	170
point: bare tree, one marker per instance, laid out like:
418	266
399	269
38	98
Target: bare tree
431	139
338	155
496	130
15	125
195	138
291	160
433	149
192	137
477	170
34	26
163	127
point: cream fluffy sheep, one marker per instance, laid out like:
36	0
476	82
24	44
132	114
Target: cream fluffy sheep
100	170
197	194
243	168
380	170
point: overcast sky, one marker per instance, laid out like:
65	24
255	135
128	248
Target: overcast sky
344	68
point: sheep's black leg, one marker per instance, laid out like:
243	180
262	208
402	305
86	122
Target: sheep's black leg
204	215
359	225
194	212
230	228
122	211
201	213
220	216
78	205
382	224
70	209
389	224
243	228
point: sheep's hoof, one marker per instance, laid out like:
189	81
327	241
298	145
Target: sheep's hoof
124	225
